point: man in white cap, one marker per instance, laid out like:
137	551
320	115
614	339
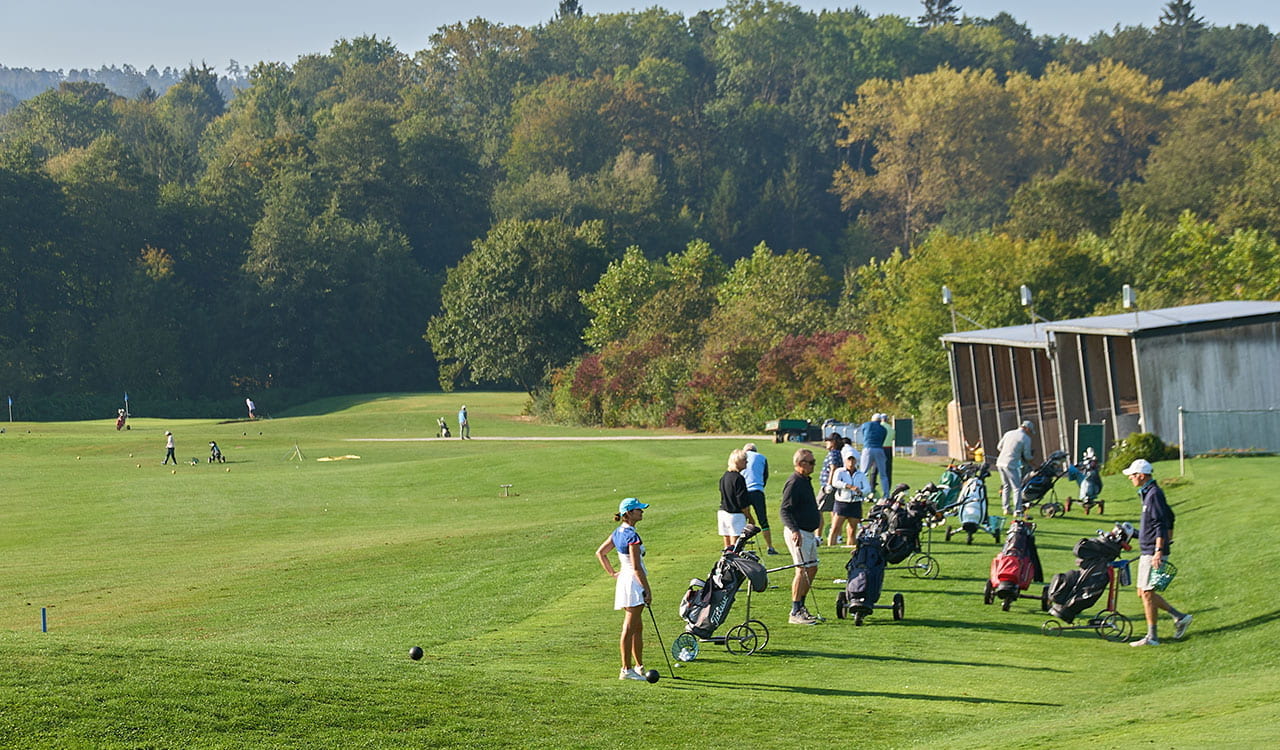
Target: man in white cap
1015	452
1155	535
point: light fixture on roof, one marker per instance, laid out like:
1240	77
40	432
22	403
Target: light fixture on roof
1128	298
946	300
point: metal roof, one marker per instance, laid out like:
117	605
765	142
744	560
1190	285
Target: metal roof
1124	324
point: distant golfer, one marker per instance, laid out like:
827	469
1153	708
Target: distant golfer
757	475
1015	452
631	593
168	444
253	408
1155	536
874	434
464	427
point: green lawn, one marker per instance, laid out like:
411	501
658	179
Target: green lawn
272	605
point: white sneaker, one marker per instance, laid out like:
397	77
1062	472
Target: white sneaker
802	618
638	669
630	674
1146	640
1180	626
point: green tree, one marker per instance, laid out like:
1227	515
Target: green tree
1063	205
922	143
938	13
1098	123
512	308
1203	152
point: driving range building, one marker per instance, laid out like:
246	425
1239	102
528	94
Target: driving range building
1130	372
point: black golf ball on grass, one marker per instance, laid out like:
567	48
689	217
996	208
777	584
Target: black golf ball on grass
652	675
415	653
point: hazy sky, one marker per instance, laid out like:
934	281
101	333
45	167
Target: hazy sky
88	33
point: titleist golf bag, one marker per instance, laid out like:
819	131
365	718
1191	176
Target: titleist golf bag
1076	590
707	603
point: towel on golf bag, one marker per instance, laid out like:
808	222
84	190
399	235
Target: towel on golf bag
865	571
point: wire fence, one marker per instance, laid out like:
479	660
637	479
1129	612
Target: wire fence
1228	432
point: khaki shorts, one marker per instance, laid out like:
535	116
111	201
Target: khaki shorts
1143	581
804	554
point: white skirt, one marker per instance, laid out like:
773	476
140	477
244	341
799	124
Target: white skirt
731	524
628	592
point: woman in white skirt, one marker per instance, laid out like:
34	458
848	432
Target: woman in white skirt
631	593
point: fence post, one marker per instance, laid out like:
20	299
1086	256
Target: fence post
1182	444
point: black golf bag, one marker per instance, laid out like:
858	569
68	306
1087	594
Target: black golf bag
1076	590
1038	483
707	603
899	531
865	570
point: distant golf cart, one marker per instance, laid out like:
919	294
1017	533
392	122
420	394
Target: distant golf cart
797	430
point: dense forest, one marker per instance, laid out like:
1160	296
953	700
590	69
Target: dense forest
638	218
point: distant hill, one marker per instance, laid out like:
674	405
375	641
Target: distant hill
19	84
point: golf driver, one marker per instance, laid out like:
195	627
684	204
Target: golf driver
667	658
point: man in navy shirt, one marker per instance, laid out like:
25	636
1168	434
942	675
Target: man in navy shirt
1154	539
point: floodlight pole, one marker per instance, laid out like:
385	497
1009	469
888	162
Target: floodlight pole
946	300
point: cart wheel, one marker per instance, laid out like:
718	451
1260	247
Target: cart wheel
842	609
1051	627
988	593
762	633
685	647
1005	604
899	606
858	617
1044	599
925	566
1046	510
741	639
1115	627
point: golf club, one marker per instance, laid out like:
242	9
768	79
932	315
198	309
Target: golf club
665	657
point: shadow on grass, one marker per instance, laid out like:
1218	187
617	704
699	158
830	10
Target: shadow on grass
809	690
794	653
1252	622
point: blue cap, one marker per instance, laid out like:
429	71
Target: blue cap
631	504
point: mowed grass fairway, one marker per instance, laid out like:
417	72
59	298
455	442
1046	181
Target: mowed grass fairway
273	605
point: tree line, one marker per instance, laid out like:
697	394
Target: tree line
639	217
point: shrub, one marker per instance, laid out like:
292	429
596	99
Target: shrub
1138	445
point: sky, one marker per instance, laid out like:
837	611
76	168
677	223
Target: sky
90	33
